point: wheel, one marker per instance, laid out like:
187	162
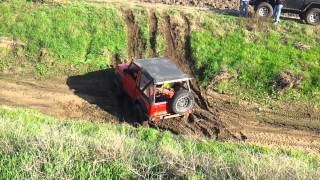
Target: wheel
264	9
117	85
182	102
313	16
139	114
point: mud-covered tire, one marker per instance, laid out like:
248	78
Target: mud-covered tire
182	102
263	9
312	16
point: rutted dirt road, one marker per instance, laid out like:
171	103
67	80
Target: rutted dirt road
90	97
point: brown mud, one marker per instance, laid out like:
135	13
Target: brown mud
136	44
153	21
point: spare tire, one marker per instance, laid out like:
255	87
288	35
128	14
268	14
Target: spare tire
182	102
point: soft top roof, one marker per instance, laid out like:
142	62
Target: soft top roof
161	70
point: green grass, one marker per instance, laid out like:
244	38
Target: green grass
74	35
37	146
161	45
257	52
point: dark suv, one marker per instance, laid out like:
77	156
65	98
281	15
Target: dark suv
308	10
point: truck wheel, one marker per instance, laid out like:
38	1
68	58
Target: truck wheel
313	16
182	102
264	9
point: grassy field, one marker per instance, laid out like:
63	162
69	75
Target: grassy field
72	37
79	37
37	146
256	52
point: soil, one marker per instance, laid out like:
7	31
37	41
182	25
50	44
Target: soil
288	80
136	44
153	21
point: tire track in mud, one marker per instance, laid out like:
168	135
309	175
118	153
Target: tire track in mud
153	21
136	44
309	120
259	132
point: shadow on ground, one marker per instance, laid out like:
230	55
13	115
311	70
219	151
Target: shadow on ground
97	88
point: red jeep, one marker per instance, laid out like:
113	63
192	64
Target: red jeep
157	87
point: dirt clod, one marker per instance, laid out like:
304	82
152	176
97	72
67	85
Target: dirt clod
302	46
287	80
223	74
10	43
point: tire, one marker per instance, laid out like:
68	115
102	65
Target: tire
313	16
139	114
263	9
182	102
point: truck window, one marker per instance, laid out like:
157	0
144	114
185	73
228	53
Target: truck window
133	71
144	81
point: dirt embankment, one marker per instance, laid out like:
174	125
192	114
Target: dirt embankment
91	97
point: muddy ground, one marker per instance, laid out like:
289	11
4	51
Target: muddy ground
89	97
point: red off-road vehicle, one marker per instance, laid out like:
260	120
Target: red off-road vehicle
157	87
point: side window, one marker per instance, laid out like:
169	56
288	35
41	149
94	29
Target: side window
144	81
133	71
146	86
